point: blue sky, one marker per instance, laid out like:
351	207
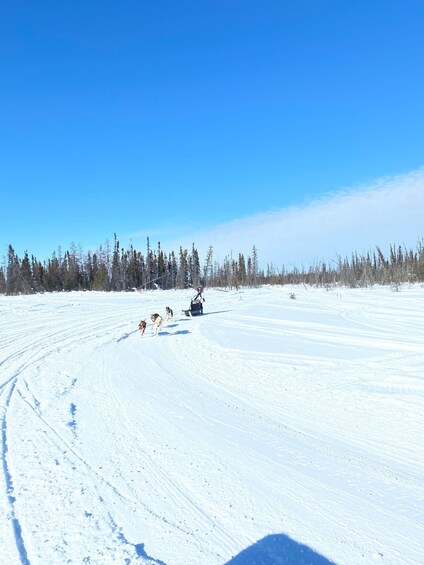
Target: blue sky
170	119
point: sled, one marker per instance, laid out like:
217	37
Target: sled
196	307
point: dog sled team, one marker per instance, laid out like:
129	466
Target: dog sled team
196	307
157	321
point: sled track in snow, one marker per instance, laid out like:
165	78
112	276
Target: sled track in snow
34	348
17	530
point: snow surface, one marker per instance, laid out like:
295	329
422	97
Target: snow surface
268	431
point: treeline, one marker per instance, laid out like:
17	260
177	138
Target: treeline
400	266
113	268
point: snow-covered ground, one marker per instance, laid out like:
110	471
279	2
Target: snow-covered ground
268	431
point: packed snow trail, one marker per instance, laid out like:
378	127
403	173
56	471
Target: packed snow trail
267	426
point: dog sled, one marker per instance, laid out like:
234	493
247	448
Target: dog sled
196	304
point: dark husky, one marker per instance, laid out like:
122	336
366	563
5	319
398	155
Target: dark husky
142	327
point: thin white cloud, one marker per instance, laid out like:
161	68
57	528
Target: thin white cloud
387	211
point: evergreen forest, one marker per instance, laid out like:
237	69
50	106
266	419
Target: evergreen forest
113	268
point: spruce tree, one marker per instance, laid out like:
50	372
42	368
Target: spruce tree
183	269
195	267
208	268
26	275
13	272
2	281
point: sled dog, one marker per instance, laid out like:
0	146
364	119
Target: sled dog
142	327
157	322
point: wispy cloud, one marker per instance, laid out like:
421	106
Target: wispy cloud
387	211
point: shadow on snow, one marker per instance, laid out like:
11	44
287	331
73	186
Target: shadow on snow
188	318
278	549
179	332
141	552
216	312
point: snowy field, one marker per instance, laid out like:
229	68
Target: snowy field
267	431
